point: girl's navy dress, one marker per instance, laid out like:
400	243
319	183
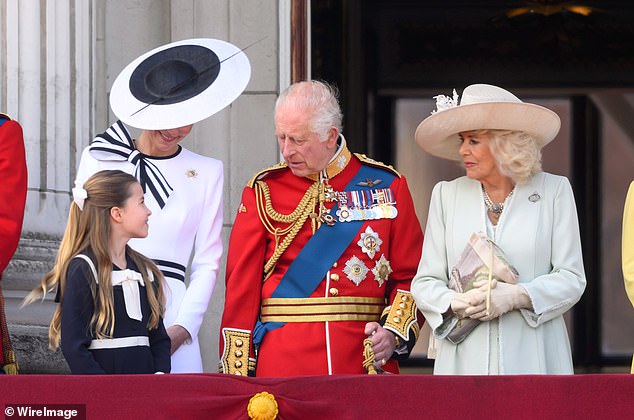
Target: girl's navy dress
133	348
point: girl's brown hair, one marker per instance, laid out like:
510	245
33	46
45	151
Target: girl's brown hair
89	229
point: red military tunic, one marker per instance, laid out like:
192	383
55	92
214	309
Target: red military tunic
12	200
359	286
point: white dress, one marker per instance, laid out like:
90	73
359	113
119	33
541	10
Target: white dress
190	221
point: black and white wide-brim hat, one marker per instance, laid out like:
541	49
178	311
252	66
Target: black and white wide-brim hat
482	107
179	84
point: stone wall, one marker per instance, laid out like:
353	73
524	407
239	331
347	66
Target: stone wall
56	83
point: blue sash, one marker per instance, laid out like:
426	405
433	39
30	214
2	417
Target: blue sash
316	257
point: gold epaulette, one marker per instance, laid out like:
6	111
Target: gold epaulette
401	316
259	175
369	161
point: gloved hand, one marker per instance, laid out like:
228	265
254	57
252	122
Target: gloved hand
505	297
474	299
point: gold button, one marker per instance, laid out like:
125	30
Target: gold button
238	353
239	343
399	312
238	364
402	305
397	319
334	291
404	298
334	277
334	264
237	372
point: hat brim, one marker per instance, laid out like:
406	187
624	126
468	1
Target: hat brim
232	79
438	133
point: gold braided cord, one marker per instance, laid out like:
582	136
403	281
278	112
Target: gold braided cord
307	201
280	248
295	220
368	357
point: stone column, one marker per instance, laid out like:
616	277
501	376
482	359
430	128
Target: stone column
46	86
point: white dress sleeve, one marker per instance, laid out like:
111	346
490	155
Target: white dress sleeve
206	257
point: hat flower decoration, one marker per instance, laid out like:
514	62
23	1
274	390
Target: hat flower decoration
445	102
482	107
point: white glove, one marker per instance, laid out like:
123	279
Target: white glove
505	297
474	298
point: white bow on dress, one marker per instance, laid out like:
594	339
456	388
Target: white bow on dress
129	281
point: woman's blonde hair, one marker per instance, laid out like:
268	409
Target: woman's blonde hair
516	153
89	229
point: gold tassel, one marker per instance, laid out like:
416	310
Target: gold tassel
11	367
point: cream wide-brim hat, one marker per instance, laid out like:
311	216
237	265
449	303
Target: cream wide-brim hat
179	84
484	107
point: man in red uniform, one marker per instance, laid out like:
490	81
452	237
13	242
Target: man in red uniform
321	255
12	201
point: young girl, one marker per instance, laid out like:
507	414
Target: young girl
109	317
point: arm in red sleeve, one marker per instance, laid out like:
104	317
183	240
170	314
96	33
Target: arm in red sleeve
12	189
401	317
244	276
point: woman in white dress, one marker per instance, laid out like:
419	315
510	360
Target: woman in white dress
164	92
529	214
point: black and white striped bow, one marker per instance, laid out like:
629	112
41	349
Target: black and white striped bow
116	144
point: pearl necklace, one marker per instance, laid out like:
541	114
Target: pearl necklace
495	208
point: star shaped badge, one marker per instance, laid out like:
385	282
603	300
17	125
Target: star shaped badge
370	242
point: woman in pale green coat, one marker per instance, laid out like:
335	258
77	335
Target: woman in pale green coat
529	214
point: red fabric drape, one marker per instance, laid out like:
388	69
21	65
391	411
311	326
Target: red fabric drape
331	397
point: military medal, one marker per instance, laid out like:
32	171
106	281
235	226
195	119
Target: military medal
327	218
355	270
382	270
344	214
366	204
370	242
326	194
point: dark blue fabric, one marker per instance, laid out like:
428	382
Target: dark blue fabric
77	309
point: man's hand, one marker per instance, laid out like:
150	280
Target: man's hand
383	342
178	335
